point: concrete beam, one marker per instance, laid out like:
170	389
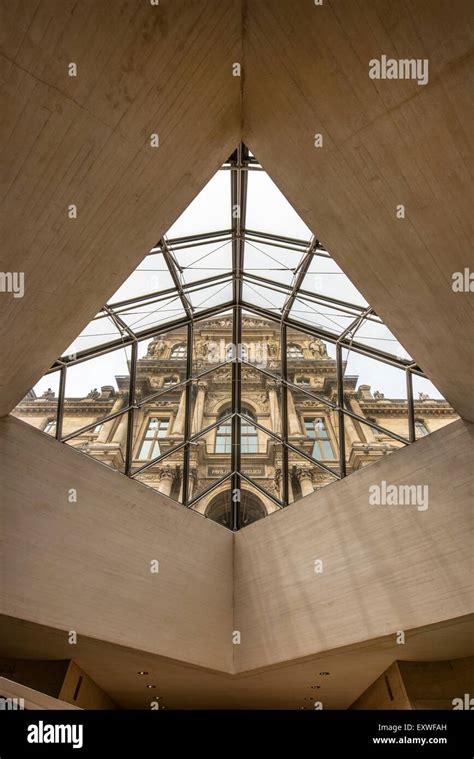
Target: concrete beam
385	143
85	140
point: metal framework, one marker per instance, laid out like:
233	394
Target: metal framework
239	164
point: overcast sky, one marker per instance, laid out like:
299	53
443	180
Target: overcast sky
267	211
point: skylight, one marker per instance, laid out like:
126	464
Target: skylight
238	358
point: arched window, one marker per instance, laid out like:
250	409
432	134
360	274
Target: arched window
251	508
248	433
169	381
420	428
178	351
302	381
294	351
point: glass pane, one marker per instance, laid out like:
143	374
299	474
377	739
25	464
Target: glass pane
95	389
144	315
365	445
211	400
329	318
261	401
312	428
264	297
377	391
39	407
254	505
305	478
204	261
432	411
217	505
99	331
261	342
326	278
162	364
263	463
268	210
208	461
310	358
156	428
274	263
212	342
376	335
210	211
151	276
166	476
213	295
105	442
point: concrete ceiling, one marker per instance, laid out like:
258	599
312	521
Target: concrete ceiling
287	686
167	69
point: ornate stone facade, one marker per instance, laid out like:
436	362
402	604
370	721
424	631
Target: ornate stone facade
159	420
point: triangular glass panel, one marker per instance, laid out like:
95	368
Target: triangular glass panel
269	211
209	211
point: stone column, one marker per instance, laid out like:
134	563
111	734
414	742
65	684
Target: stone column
368	432
305	479
178	424
199	407
293	421
166	475
274	407
108	426
120	434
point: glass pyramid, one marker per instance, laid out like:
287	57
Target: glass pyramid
237	369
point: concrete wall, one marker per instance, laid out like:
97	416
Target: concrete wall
387	692
385	568
85	566
420	685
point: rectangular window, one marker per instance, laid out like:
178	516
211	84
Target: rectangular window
224	438
248	437
157	428
316	430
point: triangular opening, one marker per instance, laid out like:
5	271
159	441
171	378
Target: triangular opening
238	369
